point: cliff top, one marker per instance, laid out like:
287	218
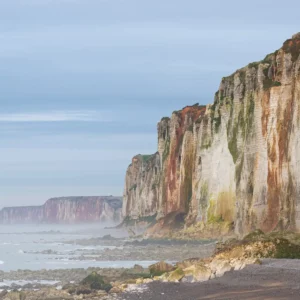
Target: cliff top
72	199
291	46
84	198
296	36
22	207
194	111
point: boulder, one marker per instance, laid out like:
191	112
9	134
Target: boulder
220	267
160	268
94	281
188	278
156	278
188	262
116	290
223	268
139	281
138	268
197	273
237	264
253	261
176	275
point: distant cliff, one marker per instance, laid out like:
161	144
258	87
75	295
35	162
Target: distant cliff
66	210
232	164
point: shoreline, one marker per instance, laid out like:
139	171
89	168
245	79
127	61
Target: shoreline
274	279
225	271
123	250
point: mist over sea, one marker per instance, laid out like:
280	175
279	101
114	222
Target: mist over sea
36	247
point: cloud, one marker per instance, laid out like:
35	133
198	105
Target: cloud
56	116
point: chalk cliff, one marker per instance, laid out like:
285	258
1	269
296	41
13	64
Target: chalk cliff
235	162
66	210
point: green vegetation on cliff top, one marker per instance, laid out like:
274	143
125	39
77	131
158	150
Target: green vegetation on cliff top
292	46
146	157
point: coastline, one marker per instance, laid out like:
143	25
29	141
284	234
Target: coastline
225	270
274	279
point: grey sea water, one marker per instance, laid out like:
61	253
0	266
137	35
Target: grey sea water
36	247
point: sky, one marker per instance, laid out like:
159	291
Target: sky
83	83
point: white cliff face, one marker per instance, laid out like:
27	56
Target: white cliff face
66	210
235	161
214	178
141	186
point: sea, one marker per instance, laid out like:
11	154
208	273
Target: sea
41	246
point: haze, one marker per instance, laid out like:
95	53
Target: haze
83	83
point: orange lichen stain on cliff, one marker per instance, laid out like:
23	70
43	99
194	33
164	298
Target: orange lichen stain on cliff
171	178
265	103
186	188
272	217
194	112
272	150
284	129
277	160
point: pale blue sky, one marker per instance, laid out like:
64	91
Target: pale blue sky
84	82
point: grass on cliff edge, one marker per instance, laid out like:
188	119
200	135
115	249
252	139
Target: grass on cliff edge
265	245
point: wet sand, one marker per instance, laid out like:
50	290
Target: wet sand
143	250
275	279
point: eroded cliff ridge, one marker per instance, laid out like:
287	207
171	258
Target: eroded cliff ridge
66	210
234	163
